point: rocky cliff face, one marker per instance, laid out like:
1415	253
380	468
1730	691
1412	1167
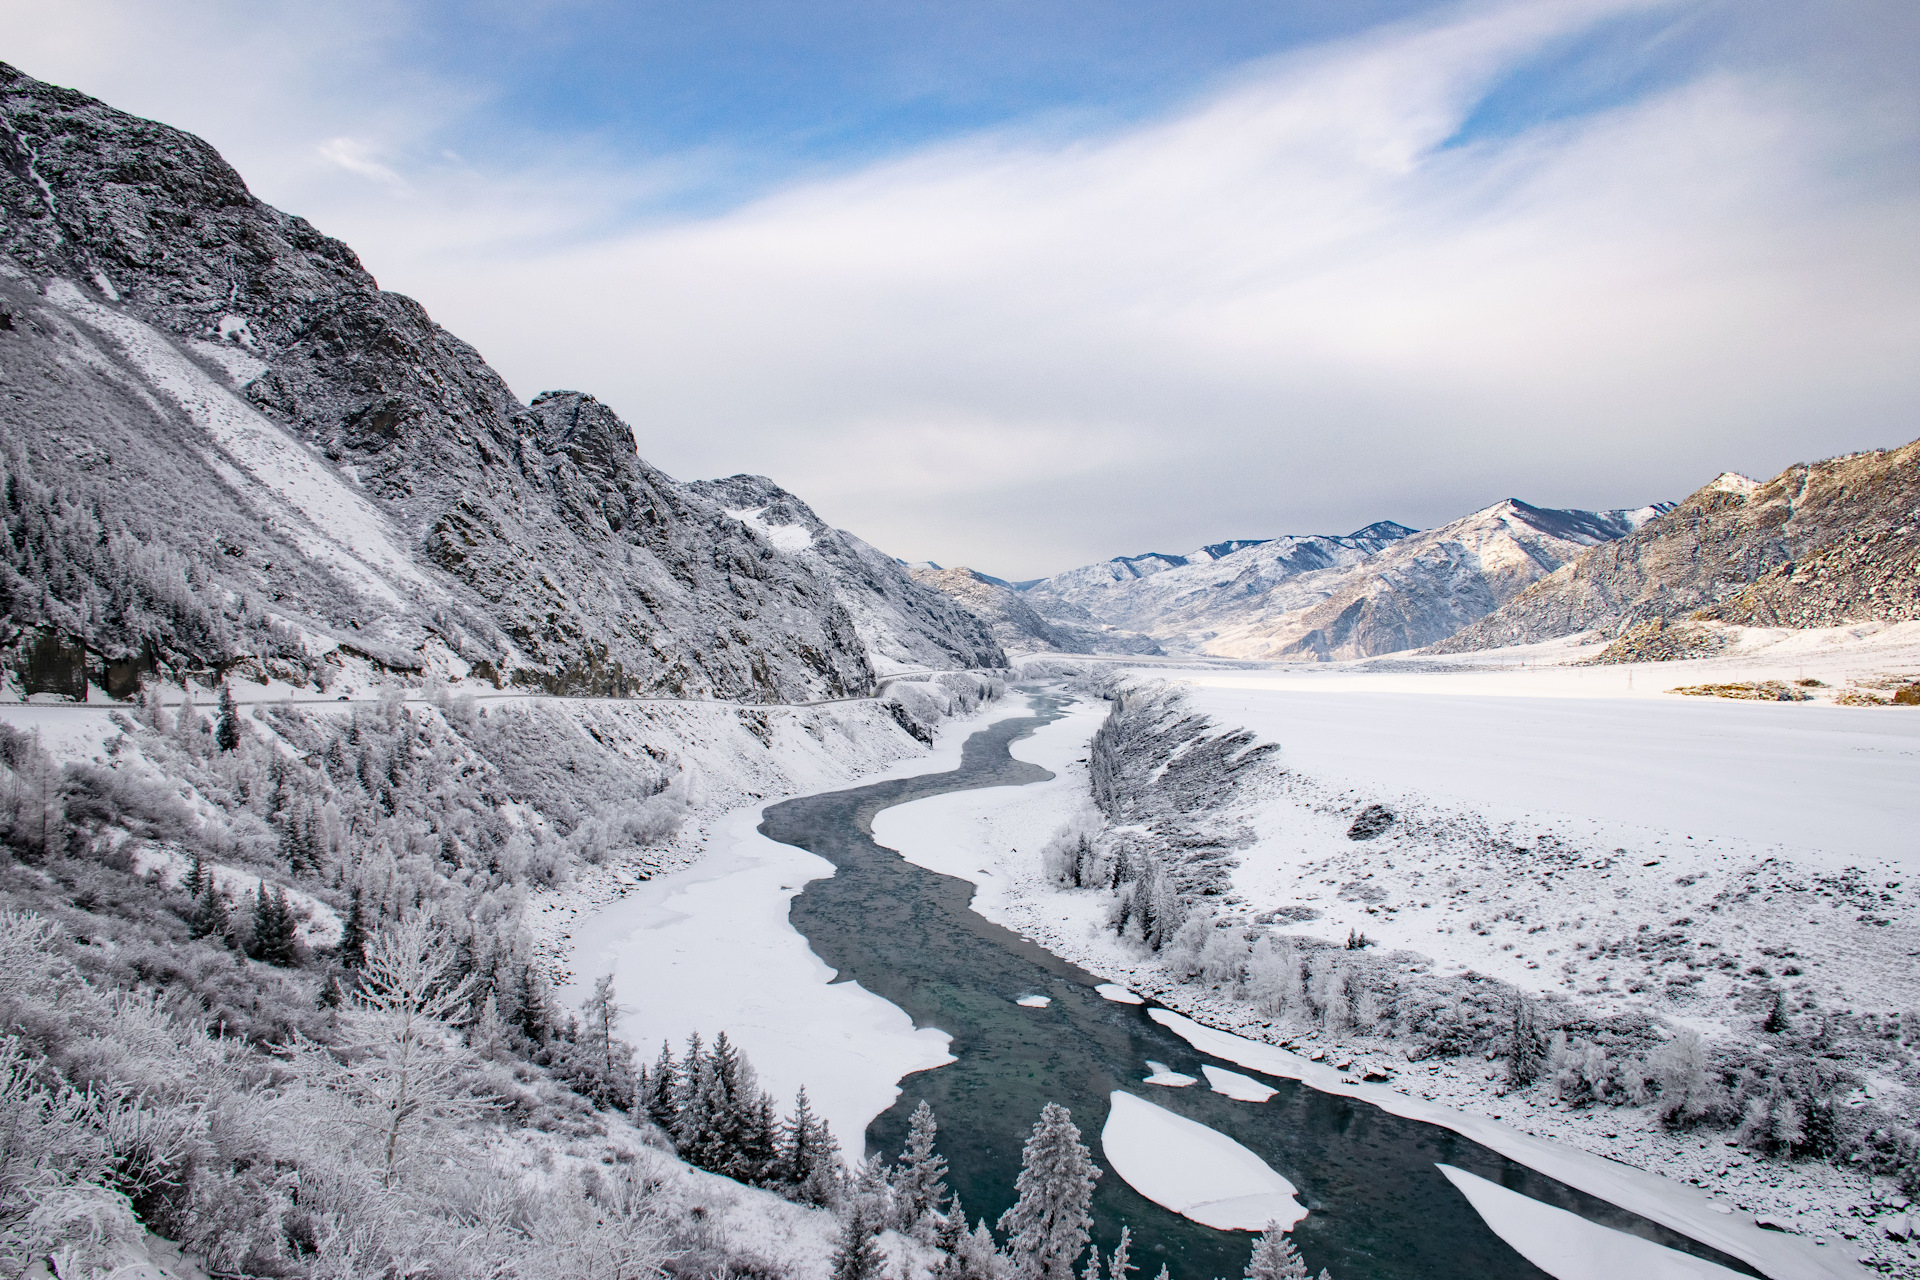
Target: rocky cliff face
1818	545
228	449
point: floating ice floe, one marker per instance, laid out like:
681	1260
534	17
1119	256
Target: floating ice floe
1236	1086
1182	1165
1163	1074
1118	994
1568	1247
1034	1002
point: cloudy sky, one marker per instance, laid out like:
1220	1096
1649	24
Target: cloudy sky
1028	283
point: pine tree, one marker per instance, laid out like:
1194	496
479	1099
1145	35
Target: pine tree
1777	1019
273	928
921	1184
1163	1273
1092	1270
226	733
949	1239
210	914
487	1037
612	1060
1274	1257
809	1156
856	1256
1120	1265
197	878
658	1097
353	935
1049	1224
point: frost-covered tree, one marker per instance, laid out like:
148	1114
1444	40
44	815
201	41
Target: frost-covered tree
1526	1047
273	928
400	1066
1274	1257
1048	1226
856	1256
1121	1262
920	1185
226	731
809	1155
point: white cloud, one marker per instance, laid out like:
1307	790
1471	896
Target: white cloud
1284	308
356	156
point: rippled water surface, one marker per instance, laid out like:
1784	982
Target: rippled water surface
1378	1206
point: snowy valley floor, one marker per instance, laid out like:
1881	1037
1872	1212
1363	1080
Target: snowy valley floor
1778	835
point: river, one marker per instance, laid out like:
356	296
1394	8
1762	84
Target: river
1378	1207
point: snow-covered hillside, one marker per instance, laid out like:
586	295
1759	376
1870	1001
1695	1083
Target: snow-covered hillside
1018	627
1819	545
228	450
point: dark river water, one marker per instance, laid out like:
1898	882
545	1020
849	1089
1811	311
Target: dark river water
1378	1206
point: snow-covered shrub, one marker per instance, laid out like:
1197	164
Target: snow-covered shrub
1680	1068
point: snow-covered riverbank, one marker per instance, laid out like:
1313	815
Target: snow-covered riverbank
709	948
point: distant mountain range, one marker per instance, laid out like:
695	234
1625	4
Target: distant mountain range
1312	597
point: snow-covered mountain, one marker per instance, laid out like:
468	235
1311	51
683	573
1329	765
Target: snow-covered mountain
1168	595
1378	590
1820	544
1421	588
228	450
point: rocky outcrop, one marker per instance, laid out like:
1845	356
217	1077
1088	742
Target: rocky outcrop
902	622
227	448
1819	544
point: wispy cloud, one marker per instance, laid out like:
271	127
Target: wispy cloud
1305	301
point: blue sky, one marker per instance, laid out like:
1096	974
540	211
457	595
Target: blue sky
1024	285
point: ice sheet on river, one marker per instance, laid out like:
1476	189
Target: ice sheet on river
1567	1246
1236	1086
1195	1171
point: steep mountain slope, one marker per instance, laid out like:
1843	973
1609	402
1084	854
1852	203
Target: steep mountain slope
1163	595
1818	545
228	449
1016	625
1423	587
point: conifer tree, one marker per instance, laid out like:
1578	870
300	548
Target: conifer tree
210	914
949	1240
1274	1257
353	935
856	1256
226	733
1120	1265
197	878
662	1082
920	1186
1049	1224
273	928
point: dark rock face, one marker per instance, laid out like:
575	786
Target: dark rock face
227	448
1820	544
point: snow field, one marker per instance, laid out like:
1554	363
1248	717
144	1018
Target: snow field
1194	1171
